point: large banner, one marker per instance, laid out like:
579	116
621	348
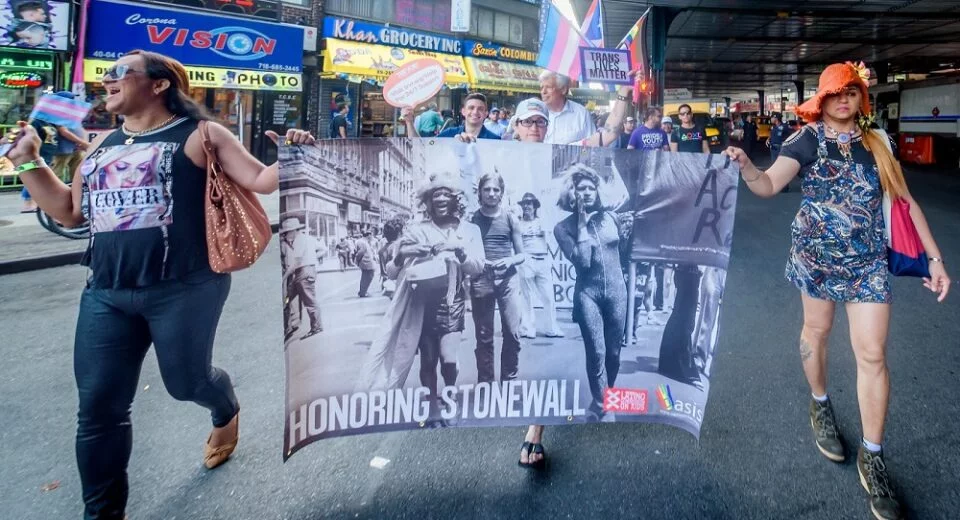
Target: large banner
431	283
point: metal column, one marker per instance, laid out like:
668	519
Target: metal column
660	20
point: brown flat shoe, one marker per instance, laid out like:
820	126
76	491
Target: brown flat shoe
214	456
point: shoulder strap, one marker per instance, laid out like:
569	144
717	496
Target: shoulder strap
213	165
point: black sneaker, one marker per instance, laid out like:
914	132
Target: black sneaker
873	477
825	430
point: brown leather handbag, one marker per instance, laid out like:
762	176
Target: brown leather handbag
238	229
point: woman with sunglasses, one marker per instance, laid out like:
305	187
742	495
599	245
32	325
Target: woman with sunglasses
143	189
839	256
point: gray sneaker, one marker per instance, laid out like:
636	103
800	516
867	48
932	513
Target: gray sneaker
825	430
874	478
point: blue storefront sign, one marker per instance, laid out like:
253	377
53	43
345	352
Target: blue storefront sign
193	38
368	32
496	51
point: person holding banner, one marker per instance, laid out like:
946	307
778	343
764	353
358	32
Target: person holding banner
530	126
839	256
474	114
150	282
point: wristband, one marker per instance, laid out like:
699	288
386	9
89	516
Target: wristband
31	165
624	98
935	259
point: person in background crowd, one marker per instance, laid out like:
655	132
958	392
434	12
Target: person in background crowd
339	125
749	134
492	124
536	273
689	136
343	253
839	256
430	122
498	286
448	121
351	249
367	262
474	112
648	136
504	119
569	120
70	146
666	124
300	257
391	232
163	260
53	139
629	125
778	134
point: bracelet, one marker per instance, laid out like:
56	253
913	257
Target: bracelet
755	179
31	165
935	259
624	98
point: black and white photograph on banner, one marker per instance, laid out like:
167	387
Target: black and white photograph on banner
429	283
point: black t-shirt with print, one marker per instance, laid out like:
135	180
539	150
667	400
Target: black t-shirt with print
689	139
145	202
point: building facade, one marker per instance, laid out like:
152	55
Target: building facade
251	62
363	41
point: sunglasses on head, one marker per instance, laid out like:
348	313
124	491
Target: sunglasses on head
118	72
527	123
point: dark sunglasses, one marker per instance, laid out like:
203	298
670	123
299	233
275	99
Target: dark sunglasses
684	113
527	123
118	72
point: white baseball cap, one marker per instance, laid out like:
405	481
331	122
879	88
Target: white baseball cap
531	107
666	119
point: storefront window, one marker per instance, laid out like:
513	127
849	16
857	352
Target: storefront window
487	24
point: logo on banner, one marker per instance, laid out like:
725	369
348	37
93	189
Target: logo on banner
625	400
671	406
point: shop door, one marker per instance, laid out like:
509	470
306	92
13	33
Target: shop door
234	108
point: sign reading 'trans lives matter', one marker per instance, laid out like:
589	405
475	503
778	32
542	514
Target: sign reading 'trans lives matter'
431	283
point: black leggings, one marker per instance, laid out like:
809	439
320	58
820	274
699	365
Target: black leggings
114	331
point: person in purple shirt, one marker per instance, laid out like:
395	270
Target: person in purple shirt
649	136
474	113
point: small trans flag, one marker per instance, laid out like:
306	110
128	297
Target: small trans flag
60	111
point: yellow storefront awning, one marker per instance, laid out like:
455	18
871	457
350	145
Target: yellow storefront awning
379	61
503	75
210	77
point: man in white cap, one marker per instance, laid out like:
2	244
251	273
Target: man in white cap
666	124
299	253
569	121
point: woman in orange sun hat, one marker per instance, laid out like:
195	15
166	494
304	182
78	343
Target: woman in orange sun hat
839	255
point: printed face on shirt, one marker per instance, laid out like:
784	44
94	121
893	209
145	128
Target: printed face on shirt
128	187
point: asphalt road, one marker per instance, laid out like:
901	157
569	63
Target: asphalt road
755	458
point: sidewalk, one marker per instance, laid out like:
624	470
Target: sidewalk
26	246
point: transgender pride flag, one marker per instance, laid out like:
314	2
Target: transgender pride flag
560	48
60	111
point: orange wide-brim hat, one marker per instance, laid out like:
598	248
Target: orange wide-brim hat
833	80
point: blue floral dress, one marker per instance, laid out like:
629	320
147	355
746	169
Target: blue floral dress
838	251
